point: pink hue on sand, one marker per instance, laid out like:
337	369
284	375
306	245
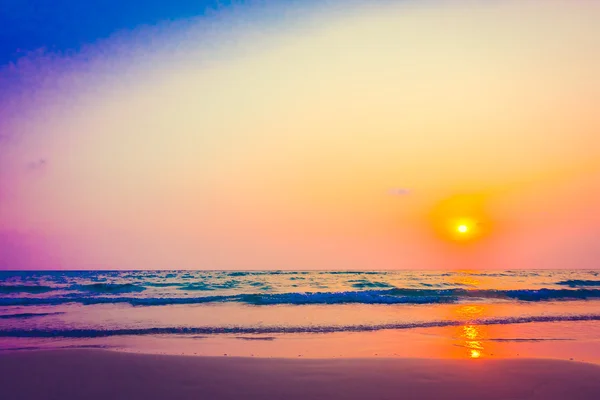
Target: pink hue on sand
90	374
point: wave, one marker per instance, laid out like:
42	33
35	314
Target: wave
352	272
28	315
135	301
25	289
364	283
524	340
388	296
92	287
239	273
109	288
162	284
578	283
200	286
231	284
57	346
95	333
415	296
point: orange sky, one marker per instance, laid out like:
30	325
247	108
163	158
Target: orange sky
354	138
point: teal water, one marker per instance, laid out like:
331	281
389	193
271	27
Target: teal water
57	306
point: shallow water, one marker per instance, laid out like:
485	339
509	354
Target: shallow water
476	313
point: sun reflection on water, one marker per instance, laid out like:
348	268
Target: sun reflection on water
470	335
475	353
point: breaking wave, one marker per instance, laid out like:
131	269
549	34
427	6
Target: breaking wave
94	333
7	289
110	288
386	296
579	283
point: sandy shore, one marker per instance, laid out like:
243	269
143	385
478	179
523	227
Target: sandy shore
97	374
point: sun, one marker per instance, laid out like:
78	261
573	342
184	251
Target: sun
461	219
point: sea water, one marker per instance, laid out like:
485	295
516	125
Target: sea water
313	313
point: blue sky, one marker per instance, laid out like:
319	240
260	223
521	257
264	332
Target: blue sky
66	25
271	134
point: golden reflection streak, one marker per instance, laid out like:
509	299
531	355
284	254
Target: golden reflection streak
471	335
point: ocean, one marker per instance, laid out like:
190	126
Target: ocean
137	309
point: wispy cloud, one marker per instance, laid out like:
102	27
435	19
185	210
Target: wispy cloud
399	192
37	165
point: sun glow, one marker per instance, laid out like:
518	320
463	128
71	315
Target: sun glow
465	229
461	218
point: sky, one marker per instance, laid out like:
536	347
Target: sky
299	134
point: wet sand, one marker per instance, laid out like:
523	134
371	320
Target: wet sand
99	374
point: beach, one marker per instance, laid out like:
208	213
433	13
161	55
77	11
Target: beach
300	335
299	200
101	374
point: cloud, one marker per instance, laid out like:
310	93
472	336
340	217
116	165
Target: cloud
37	164
399	192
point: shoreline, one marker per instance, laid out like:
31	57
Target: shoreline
100	374
560	340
